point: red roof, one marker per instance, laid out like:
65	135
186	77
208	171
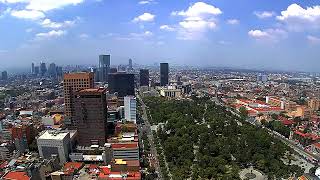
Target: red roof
268	109
71	167
105	170
307	135
124	145
287	122
317	145
93	166
16	176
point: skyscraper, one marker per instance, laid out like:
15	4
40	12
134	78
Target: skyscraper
32	68
122	83
130	64
74	82
36	70
104	67
164	74
144	77
91	116
52	71
4	75
130	109
59	71
43	68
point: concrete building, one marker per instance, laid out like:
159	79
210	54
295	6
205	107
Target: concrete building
314	104
54	143
171	92
74	82
125	151
130	109
6	151
91	116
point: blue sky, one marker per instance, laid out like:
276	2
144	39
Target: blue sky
264	34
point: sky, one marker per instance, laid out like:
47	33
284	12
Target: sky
253	34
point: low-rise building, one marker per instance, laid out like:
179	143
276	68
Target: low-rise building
54	142
6	151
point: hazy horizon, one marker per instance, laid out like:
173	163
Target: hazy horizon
260	35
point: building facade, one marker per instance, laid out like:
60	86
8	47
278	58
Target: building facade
164	74
74	82
130	109
104	67
125	151
91	116
54	143
121	83
144	77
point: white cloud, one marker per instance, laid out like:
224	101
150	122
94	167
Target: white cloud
233	21
313	39
5	12
13	1
197	24
47	23
50	34
199	9
143	2
28	14
298	18
270	35
197	19
167	28
145	17
46	5
258	33
264	14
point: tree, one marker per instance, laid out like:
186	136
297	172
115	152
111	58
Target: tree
243	112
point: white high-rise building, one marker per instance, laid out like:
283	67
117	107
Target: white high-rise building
130	109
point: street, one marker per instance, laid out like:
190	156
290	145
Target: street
154	158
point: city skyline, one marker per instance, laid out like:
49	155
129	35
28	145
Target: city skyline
266	35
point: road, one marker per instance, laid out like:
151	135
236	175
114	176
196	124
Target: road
153	149
289	143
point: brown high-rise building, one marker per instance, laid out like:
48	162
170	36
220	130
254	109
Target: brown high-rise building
74	82
91	116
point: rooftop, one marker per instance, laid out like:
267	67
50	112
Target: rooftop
13	175
54	135
124	145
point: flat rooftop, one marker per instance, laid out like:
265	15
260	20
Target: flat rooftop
54	135
98	90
